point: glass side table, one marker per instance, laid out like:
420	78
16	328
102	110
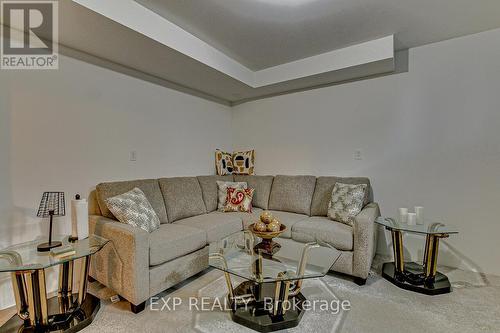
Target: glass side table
270	298
35	312
423	278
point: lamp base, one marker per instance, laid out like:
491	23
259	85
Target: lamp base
45	247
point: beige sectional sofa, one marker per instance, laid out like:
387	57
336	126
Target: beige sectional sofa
139	264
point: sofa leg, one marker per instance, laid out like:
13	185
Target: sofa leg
359	281
137	308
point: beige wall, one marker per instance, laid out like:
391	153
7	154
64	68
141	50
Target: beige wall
428	137
72	128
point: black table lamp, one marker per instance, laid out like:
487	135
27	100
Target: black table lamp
52	204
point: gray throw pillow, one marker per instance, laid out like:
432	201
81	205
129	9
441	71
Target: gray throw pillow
222	191
346	202
134	208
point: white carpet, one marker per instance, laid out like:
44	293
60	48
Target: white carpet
379	306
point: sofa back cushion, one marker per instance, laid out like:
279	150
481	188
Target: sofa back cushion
262	186
150	188
183	197
324	188
209	189
292	194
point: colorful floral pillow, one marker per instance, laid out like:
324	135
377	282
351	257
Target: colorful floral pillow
239	200
244	162
223	163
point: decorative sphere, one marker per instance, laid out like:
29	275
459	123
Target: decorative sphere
266	217
260	226
275	220
274	226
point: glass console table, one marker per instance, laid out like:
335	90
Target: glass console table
270	298
412	276
35	312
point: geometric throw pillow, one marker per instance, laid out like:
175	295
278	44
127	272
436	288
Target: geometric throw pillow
223	163
222	192
346	202
134	208
239	200
243	162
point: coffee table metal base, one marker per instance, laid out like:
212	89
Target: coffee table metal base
255	315
407	280
61	319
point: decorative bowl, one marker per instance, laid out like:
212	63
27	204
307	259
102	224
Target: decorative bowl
267	234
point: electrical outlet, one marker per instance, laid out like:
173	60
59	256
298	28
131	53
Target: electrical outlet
358	155
133	156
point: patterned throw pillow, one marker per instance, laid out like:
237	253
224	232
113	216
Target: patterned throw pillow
243	162
346	202
134	208
222	192
223	163
239	200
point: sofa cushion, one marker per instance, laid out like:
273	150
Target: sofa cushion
338	235
216	225
150	188
183	197
133	208
209	189
243	162
292	194
246	218
239	200
223	163
324	188
262	186
288	219
346	202
172	240
222	187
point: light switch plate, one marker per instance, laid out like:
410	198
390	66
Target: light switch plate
133	156
358	154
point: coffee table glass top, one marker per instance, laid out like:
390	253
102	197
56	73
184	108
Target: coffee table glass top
428	228
25	256
234	255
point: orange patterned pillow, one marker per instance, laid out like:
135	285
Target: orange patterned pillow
239	200
244	162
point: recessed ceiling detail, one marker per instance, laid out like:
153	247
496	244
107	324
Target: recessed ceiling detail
232	51
134	16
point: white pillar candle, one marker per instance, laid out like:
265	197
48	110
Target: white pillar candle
420	214
403	215
412	219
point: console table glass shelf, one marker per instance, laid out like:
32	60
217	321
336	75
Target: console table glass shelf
35	312
275	279
423	278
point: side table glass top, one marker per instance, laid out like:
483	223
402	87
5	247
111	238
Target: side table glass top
428	228
25	256
234	255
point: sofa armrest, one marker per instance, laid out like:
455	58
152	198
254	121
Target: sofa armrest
122	265
365	240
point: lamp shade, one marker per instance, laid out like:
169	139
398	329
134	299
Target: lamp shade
52	201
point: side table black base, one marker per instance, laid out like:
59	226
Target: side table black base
441	283
256	317
61	319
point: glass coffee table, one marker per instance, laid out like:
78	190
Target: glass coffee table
35	312
423	278
270	297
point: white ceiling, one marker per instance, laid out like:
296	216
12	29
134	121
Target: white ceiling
265	33
233	51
